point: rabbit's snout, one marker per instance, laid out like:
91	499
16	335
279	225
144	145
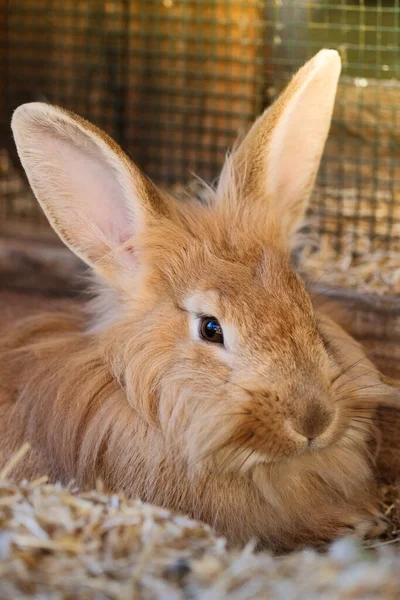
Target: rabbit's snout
313	421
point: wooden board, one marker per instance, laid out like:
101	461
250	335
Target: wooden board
373	320
49	268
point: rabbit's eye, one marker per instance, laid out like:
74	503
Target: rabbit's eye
211	331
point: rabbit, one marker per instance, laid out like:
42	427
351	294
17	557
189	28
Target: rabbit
199	376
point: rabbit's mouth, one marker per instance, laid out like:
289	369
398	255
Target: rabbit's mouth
246	458
255	438
292	448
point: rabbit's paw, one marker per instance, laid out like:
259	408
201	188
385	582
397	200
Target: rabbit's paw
367	526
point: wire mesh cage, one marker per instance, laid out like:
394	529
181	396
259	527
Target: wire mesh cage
175	81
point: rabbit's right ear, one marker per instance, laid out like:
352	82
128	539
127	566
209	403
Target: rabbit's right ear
272	171
93	195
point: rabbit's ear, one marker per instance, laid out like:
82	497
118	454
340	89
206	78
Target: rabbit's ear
277	161
93	195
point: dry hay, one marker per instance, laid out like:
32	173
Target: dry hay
58	543
373	272
365	214
366	261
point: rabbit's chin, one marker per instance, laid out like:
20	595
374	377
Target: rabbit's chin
336	471
259	459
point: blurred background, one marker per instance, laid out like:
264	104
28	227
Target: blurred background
175	81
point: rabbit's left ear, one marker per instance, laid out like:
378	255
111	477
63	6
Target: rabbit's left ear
95	198
277	162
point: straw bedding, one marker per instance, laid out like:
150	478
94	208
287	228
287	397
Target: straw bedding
369	237
376	272
58	542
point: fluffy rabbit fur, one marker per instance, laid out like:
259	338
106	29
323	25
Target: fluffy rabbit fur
269	435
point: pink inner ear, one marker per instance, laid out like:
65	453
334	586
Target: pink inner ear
78	181
95	191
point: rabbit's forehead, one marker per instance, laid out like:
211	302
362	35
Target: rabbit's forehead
254	312
258	297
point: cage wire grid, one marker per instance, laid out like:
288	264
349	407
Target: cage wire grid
175	81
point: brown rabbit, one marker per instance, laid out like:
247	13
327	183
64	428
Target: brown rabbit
200	377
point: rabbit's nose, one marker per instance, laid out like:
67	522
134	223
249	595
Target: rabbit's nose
315	420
